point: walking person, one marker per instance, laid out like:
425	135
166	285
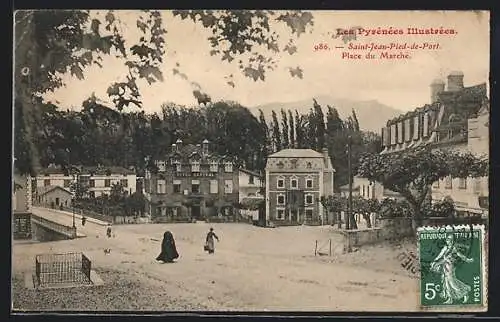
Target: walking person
108	231
210	243
168	250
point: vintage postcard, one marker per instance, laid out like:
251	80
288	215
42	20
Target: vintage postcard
250	161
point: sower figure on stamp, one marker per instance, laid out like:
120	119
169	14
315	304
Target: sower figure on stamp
210	243
452	288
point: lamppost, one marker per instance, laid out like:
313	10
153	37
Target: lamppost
349	170
75	182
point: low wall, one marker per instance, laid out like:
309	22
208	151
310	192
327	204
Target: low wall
389	229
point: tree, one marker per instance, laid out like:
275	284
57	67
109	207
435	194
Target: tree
292	129
285	131
412	172
51	43
335	204
276	133
365	207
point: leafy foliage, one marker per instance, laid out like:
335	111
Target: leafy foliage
52	43
412	172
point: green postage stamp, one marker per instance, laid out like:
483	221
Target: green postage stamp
453	267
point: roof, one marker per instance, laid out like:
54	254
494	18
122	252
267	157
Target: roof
437	81
296	153
250	172
186	151
44	190
89	169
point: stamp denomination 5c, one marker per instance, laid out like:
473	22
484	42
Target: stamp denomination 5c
452	266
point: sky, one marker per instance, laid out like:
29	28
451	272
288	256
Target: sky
399	83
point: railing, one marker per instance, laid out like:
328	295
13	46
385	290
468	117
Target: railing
86	266
57	269
60	228
89	213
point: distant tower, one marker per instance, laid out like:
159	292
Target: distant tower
437	86
178	144
455	81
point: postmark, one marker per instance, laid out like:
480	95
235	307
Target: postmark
452	266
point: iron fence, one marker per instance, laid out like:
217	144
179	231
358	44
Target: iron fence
62	269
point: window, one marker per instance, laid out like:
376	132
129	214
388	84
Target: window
161	186
92	194
309	165
124	183
214	186
214	166
160	165
309	199
294	183
195	186
92	183
177	186
178	166
67	183
228	167
281	183
435	185
363	193
46	182
448	182
309	183
462	183
107	182
281	200
309	214
195	166
280	213
250	179
228	186
293	163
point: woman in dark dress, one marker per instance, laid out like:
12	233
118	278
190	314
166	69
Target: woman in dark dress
210	243
168	249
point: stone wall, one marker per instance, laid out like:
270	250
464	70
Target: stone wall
389	229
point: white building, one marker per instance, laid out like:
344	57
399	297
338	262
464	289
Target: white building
99	180
250	186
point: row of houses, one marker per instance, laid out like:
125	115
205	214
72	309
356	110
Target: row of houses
457	118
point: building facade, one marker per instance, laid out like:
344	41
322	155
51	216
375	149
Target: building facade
21	193
98	180
53	196
191	182
296	179
456	119
251	188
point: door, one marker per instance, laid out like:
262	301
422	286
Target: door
196	212
57	201
294	215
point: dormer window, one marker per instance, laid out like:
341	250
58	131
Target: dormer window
214	166
228	166
309	165
160	165
177	166
195	166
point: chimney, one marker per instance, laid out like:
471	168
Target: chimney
455	81
437	86
326	157
178	144
205	147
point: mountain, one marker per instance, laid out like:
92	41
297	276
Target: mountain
372	115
